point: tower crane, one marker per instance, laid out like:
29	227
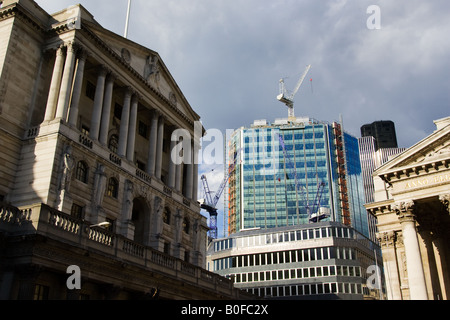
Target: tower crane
315	213
210	203
288	98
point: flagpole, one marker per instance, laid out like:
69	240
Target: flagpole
128	19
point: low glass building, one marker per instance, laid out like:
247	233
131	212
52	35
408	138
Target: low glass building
325	260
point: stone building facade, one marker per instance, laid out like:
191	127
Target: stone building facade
412	193
87	122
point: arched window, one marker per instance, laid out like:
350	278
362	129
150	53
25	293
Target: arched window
113	143
82	172
113	188
186	225
166	216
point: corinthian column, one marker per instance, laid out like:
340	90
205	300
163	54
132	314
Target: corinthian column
159	148
189	184
172	165
74	108
195	164
151	165
132	128
55	85
124	123
66	83
416	275
106	112
98	103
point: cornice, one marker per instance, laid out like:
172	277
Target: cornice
117	58
16	10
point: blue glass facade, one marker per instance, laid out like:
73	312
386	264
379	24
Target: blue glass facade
286	172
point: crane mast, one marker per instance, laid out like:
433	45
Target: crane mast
288	99
210	203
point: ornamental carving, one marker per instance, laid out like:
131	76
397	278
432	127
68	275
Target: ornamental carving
403	207
387	239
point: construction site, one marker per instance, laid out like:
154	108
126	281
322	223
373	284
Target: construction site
290	185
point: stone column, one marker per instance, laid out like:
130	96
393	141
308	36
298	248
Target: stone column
124	123
189	174
416	276
77	87
159	148
98	104
195	163
441	251
178	172
132	128
151	165
66	83
106	110
55	85
172	165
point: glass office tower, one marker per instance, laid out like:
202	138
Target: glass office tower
294	173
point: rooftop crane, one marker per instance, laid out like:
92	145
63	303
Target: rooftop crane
288	99
209	204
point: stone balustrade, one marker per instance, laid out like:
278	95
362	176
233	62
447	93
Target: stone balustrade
46	221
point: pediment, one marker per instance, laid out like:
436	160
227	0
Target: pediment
149	66
430	151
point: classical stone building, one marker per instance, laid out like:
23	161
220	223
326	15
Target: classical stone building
412	193
86	175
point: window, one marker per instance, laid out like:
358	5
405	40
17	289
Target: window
143	130
41	292
186	225
90	90
113	188
112	224
118	111
85	130
166	247
166	216
76	211
82	172
113	145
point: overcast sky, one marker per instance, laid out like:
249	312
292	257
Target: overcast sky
228	56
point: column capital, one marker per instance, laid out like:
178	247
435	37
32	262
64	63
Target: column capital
103	70
128	91
111	76
156	113
405	210
83	54
136	96
72	46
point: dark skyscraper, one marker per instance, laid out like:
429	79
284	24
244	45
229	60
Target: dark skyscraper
383	132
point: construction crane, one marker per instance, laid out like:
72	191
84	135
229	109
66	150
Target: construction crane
288	98
315	213
209	203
